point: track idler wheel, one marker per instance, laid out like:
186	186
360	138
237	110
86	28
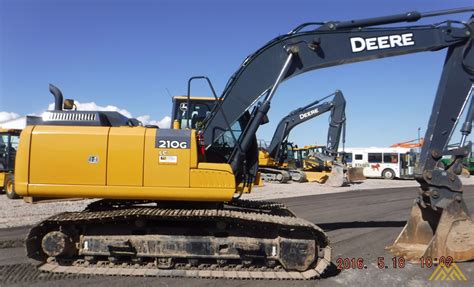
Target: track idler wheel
436	233
58	244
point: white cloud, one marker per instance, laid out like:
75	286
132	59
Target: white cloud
164	123
145	119
92	106
7	116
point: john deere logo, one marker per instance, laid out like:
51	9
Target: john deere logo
451	273
93	159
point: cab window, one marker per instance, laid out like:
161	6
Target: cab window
199	110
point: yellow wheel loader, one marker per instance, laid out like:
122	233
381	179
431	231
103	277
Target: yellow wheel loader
316	169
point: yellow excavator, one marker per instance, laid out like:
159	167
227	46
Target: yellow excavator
274	159
8	146
277	171
169	197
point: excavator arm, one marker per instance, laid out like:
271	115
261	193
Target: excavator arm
439	218
337	119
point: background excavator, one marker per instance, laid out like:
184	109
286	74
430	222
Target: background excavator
273	161
316	163
193	225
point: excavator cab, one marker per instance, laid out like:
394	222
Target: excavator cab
289	155
191	117
194	117
9	140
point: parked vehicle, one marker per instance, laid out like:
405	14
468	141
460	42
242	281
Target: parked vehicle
388	163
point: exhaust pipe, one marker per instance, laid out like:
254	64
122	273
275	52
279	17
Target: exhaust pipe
58	97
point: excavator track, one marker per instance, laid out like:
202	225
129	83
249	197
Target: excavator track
239	240
298	175
274	175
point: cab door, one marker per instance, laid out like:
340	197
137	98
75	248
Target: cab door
168	158
8	147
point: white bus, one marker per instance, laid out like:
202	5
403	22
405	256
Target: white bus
388	163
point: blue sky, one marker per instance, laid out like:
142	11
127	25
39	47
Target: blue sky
134	54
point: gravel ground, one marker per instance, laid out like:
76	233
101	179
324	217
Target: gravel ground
28	214
18	213
278	190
